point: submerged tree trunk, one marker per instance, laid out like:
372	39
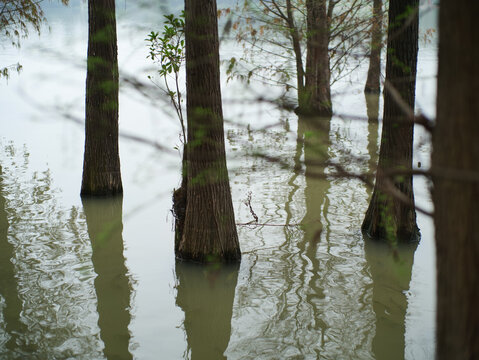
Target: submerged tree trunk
317	96
389	217
455	168
209	232
374	71
101	164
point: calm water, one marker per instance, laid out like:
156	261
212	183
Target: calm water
98	279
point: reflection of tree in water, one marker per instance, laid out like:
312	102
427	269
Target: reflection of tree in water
12	306
112	286
309	298
205	293
391	275
51	266
313	143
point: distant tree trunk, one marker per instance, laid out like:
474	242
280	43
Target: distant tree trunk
374	72
112	286
455	168
372	107
209	232
388	217
294	33
318	89
101	164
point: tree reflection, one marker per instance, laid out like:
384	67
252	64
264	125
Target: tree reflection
8	283
315	134
313	142
391	275
112	285
206	294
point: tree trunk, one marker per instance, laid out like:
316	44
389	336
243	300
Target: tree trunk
294	33
372	108
388	217
209	233
112	286
374	72
318	89
101	164
455	169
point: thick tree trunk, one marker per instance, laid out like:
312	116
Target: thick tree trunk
388	217
455	168
317	98
112	286
101	164
374	72
209	233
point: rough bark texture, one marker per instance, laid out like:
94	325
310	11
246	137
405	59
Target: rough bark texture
374	71
388	217
112	286
209	233
101	164
317	97
456	152
206	295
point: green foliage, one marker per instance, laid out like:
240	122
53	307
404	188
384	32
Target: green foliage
167	50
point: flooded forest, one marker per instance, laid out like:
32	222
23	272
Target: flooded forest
239	179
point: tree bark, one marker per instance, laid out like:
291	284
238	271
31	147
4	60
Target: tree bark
389	218
374	71
101	164
318	89
209	233
455	158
